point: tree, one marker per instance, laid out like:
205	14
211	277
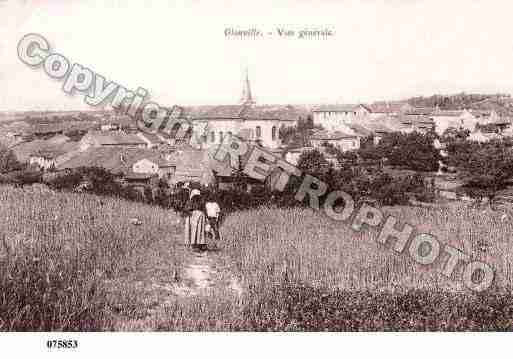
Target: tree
452	134
313	162
414	151
297	136
486	168
8	161
345	159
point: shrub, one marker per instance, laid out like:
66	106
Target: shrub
414	151
8	161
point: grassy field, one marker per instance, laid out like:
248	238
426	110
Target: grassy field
68	259
308	247
77	262
303	271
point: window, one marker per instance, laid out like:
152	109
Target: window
273	134
258	132
230	134
212	136
220	136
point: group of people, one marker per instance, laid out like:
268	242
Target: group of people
202	217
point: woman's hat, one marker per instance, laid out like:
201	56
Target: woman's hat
195	192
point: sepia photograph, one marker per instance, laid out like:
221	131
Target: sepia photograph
228	168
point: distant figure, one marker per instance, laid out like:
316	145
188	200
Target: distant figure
187	189
213	215
195	221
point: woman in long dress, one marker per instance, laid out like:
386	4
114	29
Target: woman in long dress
195	221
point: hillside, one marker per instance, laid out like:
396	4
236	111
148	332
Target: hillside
501	103
82	262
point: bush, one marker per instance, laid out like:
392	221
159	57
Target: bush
486	168
22	177
414	151
8	161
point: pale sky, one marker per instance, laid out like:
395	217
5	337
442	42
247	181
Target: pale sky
381	50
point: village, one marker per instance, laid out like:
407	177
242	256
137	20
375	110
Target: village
111	139
231	166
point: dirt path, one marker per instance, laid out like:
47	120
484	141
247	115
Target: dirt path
200	275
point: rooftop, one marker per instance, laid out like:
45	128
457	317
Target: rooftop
448	113
248	112
420	110
387	107
416	119
46	148
336	108
331	135
115	159
116	138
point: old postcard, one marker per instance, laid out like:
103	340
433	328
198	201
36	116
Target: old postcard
236	166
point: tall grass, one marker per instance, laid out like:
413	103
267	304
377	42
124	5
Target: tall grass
268	245
76	262
304	271
60	253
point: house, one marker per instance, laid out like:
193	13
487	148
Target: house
136	167
410	123
141	181
109	127
43	160
345	141
292	155
152	140
459	119
118	160
155	165
497	125
508	131
426	111
111	139
50	155
482	137
484	116
372	128
15	136
501	106
191	165
378	109
42	152
331	117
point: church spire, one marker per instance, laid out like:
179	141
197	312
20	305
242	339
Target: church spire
247	97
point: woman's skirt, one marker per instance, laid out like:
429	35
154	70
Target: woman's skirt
195	228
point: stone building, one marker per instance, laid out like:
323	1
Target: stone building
259	124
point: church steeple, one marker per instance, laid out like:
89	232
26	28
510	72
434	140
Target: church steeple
247	97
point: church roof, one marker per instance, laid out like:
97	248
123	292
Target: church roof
247	97
336	108
244	112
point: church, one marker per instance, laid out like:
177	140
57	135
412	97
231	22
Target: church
259	124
